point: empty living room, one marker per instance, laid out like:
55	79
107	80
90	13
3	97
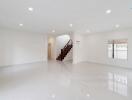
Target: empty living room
65	50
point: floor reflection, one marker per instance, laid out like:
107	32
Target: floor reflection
117	83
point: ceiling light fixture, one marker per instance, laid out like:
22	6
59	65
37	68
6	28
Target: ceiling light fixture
53	96
108	11
53	31
88	95
70	25
117	25
20	24
30	9
88	31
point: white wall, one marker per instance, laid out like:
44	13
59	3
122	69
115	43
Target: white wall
93	48
77	48
21	47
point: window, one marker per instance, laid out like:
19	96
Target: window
110	50
118	49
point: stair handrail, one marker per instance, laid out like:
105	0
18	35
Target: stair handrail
63	51
67	44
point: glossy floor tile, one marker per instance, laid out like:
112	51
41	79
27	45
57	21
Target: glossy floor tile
64	81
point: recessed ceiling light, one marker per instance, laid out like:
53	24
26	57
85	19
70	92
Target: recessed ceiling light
108	11
53	31
88	31
70	25
117	25
20	24
53	96
30	9
88	95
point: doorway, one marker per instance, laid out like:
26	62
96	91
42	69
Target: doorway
51	48
49	51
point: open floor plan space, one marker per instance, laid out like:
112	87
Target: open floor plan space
65	81
65	49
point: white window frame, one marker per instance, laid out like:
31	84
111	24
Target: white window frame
113	43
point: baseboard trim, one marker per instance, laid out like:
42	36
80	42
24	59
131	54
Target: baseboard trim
110	65
2	66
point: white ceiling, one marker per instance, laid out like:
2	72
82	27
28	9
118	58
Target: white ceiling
58	14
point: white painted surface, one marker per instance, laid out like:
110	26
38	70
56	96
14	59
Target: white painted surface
93	48
77	48
77	39
20	47
49	14
64	81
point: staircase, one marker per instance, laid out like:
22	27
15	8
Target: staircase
65	50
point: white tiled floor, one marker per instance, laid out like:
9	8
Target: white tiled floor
64	81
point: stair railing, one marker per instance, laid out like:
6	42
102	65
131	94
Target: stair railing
65	50
68	43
